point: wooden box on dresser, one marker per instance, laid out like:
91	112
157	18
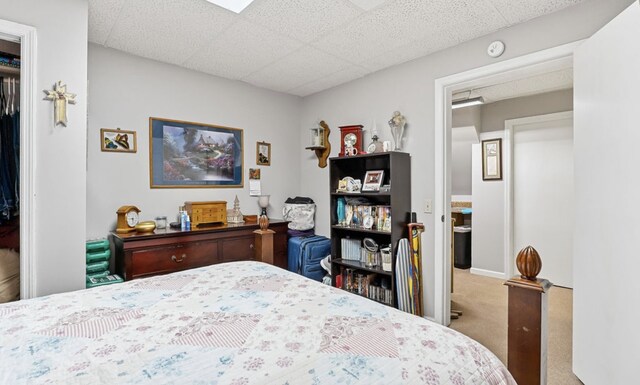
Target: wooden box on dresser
397	174
165	251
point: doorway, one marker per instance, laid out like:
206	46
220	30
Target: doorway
9	170
541	192
25	36
538	62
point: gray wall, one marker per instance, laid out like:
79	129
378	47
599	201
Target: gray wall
494	114
410	88
60	152
126	90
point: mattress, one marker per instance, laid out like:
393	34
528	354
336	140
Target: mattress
233	323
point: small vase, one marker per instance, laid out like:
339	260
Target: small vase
263	221
396	124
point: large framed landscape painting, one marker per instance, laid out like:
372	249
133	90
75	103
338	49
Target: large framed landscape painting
187	154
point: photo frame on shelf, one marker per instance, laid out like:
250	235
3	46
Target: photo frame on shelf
263	154
492	159
187	154
118	140
373	180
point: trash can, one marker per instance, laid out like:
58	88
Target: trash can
462	246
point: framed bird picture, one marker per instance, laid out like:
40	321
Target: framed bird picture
118	140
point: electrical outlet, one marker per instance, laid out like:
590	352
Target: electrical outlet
428	206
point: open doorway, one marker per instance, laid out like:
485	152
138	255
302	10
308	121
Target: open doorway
527	113
18	100
9	170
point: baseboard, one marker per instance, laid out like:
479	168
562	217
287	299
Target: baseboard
487	273
430	319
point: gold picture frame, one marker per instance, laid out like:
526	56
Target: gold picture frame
118	140
492	159
263	154
186	154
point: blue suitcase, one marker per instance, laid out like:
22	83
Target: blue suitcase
305	254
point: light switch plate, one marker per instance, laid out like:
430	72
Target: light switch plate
428	206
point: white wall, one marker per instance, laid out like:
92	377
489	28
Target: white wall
543	194
410	88
487	243
60	152
126	90
461	140
606	336
488	229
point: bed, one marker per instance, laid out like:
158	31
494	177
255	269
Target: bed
232	323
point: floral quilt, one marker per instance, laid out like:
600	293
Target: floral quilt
233	323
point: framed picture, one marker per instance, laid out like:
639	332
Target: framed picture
372	180
187	154
118	140
492	159
263	154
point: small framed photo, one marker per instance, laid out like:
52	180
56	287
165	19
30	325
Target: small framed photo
118	140
373	180
263	154
492	159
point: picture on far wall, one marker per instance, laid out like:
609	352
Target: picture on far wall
187	154
118	140
492	159
263	154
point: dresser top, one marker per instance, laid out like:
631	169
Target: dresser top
204	229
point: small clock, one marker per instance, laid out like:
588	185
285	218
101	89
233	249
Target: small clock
495	49
128	218
351	137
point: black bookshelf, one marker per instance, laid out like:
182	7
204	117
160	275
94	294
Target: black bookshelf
397	174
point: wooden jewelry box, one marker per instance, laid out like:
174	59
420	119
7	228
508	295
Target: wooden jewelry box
206	212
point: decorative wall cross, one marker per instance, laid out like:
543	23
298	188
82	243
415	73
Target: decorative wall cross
60	97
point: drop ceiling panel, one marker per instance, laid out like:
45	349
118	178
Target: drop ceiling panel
301	67
435	24
169	31
520	11
240	50
305	20
350	73
368	5
102	15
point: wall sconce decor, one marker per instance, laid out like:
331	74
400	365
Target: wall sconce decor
320	143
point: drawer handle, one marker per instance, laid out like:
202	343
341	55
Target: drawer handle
176	260
251	246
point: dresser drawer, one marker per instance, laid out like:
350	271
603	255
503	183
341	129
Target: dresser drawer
173	258
238	249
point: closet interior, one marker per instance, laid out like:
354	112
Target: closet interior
9	171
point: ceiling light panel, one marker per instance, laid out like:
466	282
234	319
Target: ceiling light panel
232	5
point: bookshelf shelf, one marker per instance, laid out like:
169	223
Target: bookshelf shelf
359	230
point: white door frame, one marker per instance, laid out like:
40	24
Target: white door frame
444	88
26	36
507	166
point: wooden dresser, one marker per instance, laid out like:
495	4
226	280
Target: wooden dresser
167	250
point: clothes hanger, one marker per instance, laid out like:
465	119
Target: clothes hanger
13	94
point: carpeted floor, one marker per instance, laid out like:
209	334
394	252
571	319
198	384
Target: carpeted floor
483	301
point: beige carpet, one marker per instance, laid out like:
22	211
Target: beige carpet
483	301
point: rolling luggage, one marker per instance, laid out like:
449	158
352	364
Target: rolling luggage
305	254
